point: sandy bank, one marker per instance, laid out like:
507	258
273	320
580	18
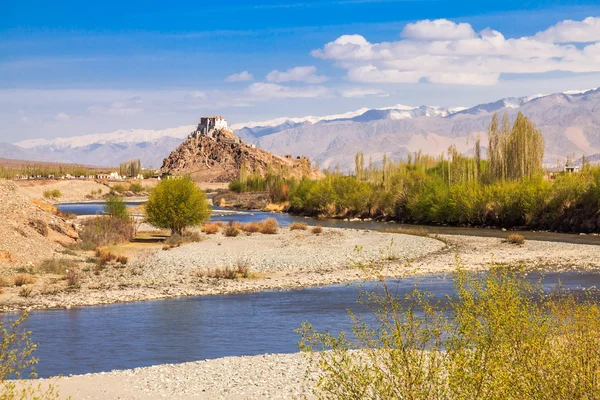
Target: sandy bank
271	376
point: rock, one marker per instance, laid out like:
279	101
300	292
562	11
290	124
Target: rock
219	155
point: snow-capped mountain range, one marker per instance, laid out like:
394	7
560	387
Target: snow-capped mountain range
570	122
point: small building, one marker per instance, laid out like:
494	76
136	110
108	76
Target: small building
569	168
208	123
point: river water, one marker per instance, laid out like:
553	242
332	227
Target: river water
129	335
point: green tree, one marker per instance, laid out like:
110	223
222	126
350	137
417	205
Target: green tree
114	206
176	204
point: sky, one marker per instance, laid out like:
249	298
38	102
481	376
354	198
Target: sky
71	68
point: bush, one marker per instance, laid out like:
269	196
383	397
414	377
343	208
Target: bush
73	278
177	204
52	194
118	188
269	226
136	187
251	227
211	229
298	226
57	266
501	338
105	231
115	207
231	230
317	230
23	279
177	240
515	238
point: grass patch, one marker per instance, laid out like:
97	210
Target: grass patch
298	226
212	228
269	226
407	231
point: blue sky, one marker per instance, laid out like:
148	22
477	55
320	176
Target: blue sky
70	68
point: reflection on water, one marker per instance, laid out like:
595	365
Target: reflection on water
103	338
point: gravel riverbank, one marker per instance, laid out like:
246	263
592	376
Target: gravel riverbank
286	260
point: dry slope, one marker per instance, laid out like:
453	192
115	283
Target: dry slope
30	232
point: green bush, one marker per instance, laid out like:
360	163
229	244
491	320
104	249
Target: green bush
115	207
176	204
501	337
118	188
52	194
136	187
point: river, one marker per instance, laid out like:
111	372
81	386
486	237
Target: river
129	335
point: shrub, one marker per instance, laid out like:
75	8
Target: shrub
298	226
210	229
105	231
122	260
57	266
25	291
52	194
177	204
269	226
73	278
136	187
105	256
115	207
243	269
317	229
501	338
177	240
118	188
231	230
251	227
23	279
515	238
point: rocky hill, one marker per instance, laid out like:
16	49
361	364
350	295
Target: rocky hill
219	155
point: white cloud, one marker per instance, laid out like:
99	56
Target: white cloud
262	91
126	108
442	51
306	74
439	29
570	31
362	92
240	77
62	117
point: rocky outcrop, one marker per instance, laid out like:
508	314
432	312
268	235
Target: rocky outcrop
219	156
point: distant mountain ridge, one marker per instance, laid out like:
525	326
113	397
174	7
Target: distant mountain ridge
570	122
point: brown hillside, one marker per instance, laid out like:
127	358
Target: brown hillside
31	231
218	156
